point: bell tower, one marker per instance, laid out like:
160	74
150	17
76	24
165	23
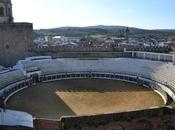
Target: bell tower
6	15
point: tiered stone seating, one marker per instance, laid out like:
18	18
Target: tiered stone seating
163	72
1	68
10	77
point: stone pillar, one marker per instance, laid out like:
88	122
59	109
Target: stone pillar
174	59
133	54
144	55
124	50
159	57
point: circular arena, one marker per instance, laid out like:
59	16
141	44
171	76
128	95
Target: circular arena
53	88
83	97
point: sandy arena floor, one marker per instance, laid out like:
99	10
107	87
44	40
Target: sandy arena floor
81	97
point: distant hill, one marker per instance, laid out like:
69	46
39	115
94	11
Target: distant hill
105	30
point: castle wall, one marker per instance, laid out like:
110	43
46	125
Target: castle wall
15	40
152	119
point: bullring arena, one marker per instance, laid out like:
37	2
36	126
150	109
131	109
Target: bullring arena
83	97
71	91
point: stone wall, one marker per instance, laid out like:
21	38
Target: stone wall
106	48
43	124
153	119
14	128
83	54
15	40
92	52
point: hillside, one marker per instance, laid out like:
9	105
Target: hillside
105	30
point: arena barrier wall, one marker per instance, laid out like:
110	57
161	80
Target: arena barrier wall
157	87
10	90
15	87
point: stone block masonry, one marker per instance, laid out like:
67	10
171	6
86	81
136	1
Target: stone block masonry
15	41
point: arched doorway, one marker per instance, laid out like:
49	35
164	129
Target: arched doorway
1	11
35	78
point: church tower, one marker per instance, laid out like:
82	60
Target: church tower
6	11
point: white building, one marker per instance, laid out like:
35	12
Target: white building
65	39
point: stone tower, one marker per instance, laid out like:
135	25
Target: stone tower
6	15
15	38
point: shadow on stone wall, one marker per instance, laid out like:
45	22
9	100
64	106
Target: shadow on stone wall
153	119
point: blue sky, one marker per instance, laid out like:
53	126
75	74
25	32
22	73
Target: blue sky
148	14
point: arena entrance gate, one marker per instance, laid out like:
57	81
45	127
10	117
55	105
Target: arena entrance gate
35	78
